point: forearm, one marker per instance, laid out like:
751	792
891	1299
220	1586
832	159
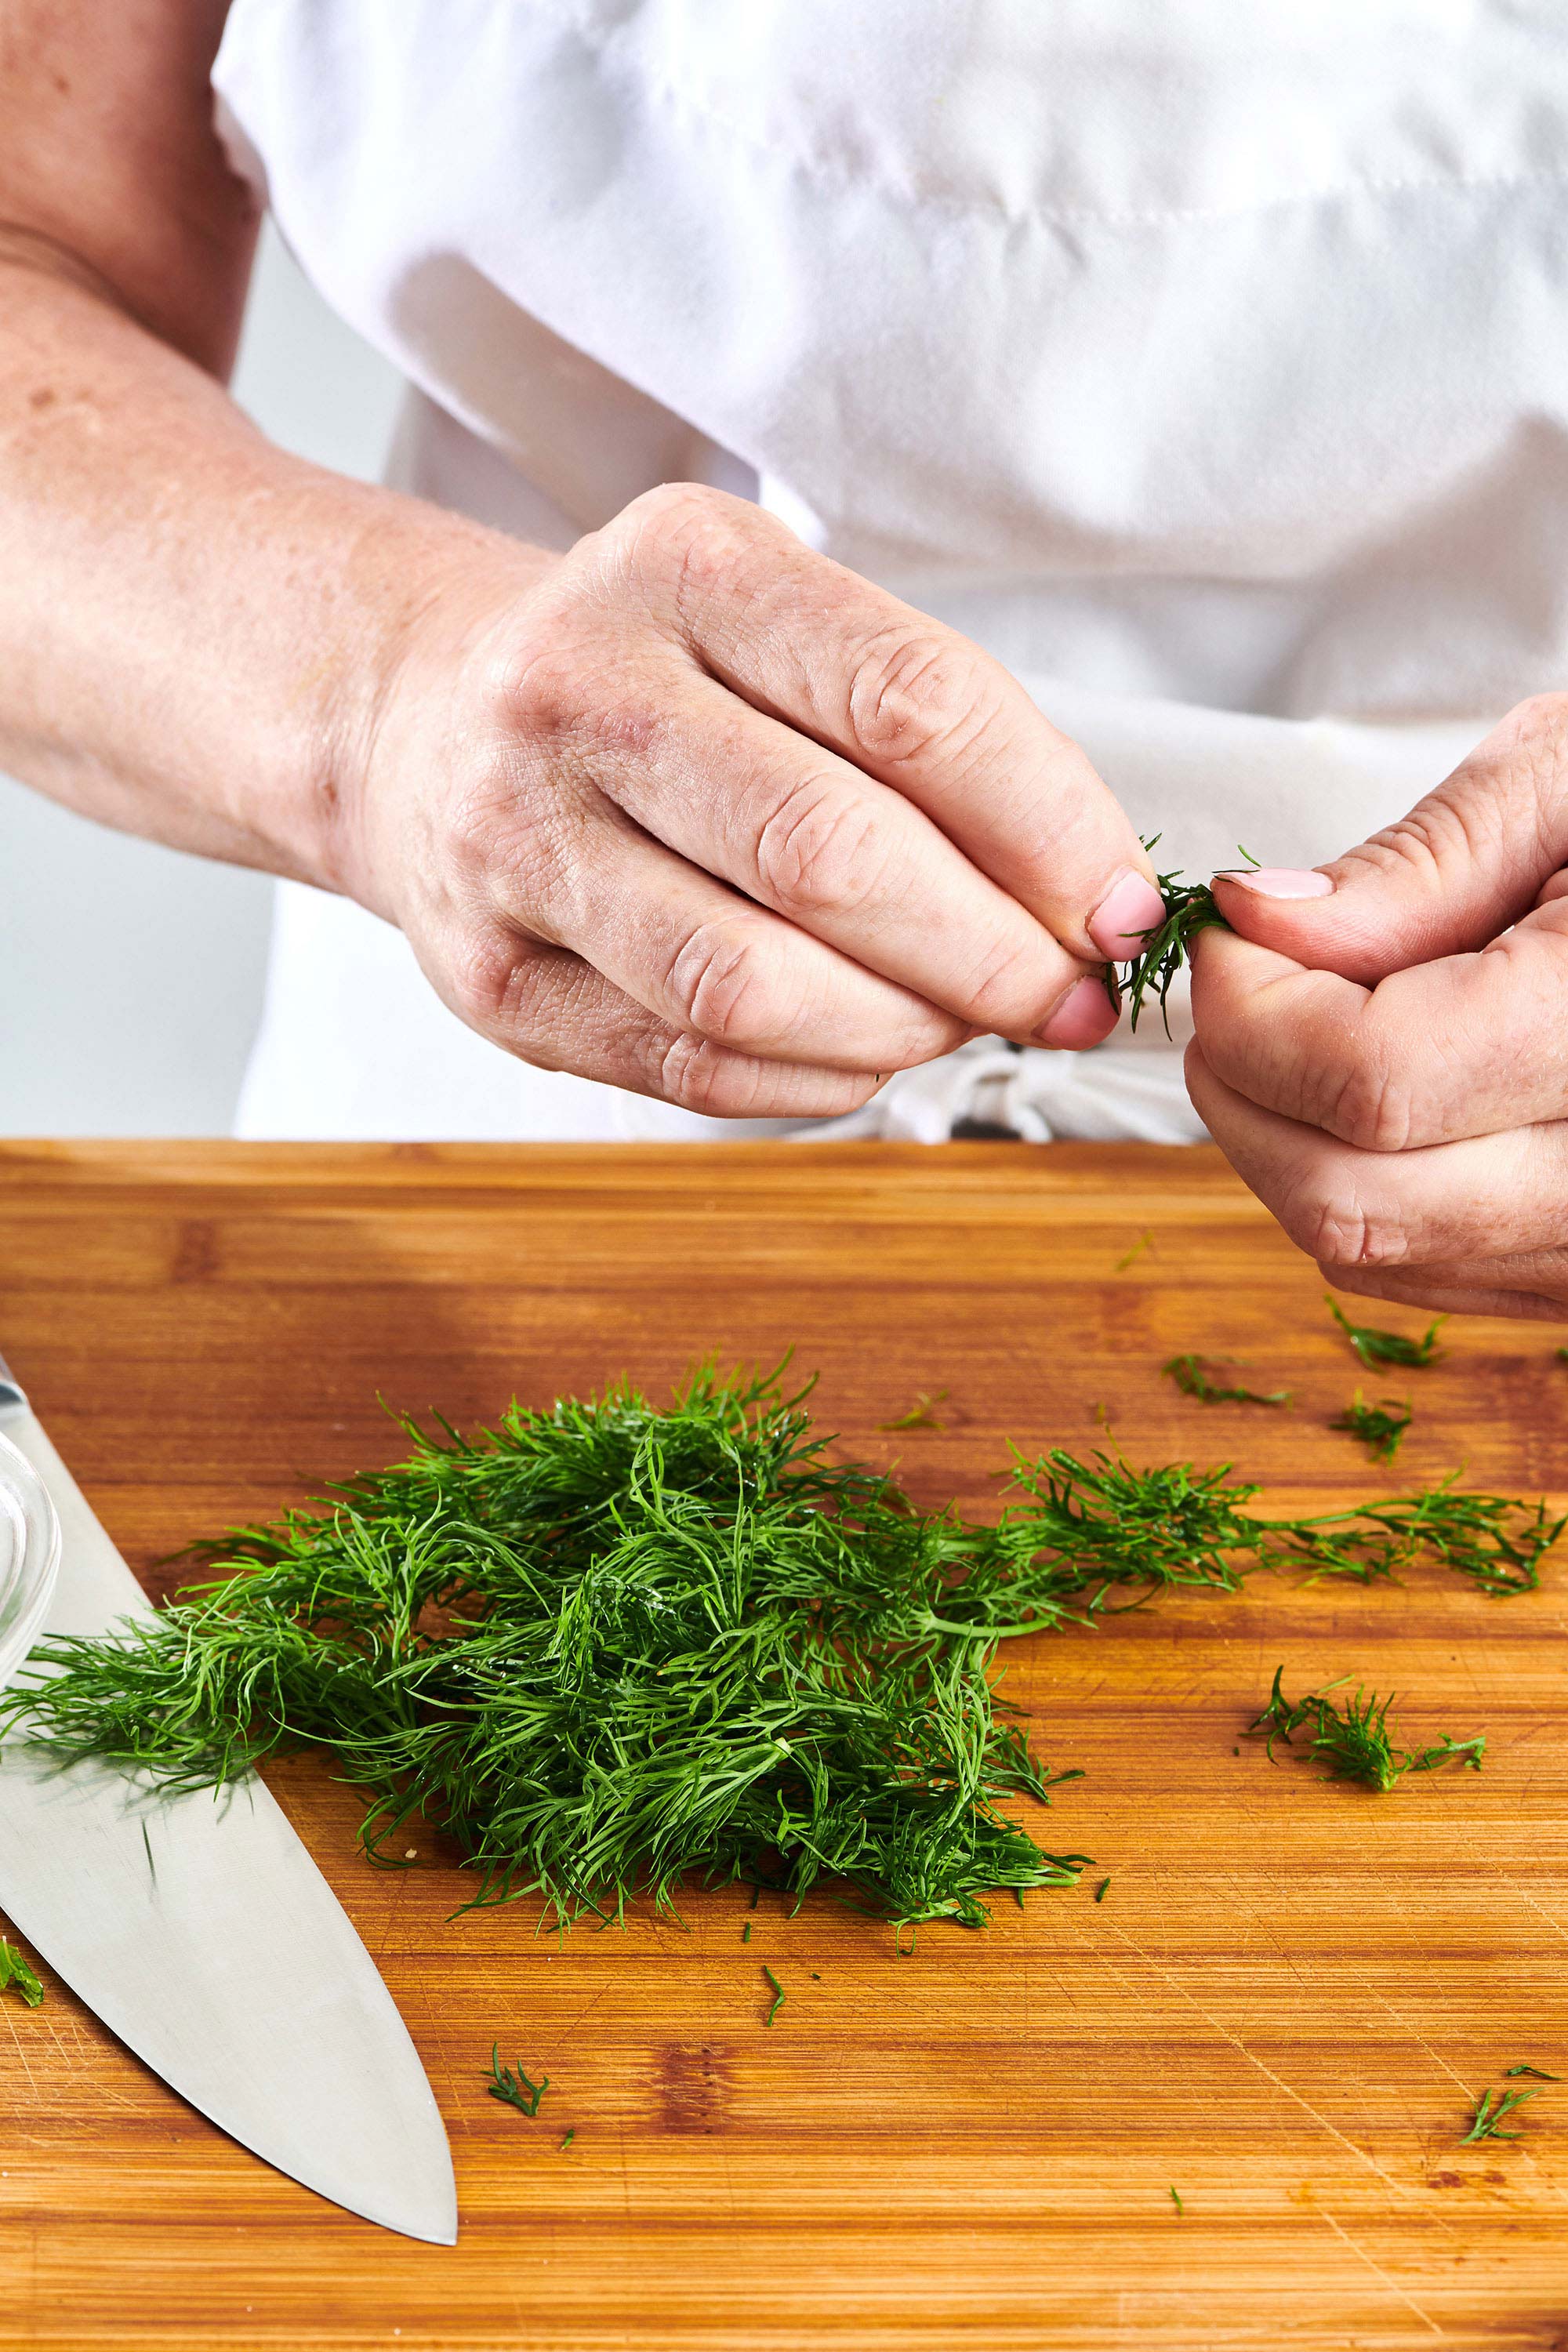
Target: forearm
196	628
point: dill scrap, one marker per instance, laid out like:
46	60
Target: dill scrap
513	2086
1491	2109
1354	1739
1191	1375
1539	2072
1379	1427
778	1999
921	1414
17	1976
1376	1346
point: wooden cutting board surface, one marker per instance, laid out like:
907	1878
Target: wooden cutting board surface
1283	2007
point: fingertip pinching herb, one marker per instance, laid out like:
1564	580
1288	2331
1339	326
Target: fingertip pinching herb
778	2000
1491	2110
17	1975
513	2086
1191	1374
1354	1739
1376	1346
1379	1427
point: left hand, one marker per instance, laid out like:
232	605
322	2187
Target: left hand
1381	1046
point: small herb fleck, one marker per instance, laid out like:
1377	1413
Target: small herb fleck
746	1933
1176	2201
778	1999
921	1414
1376	1346
1130	1257
570	2136
1539	2072
1379	1427
1355	1740
16	1972
1490	2109
1192	1377
513	2086
1100	1890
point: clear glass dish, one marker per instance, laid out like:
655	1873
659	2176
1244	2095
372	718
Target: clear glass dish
29	1556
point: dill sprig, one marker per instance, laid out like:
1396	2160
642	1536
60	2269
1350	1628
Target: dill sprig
16	1973
921	1414
1379	1427
1376	1346
1192	1377
602	1647
1354	1740
778	1999
512	2085
1539	2072
1164	952
1491	2109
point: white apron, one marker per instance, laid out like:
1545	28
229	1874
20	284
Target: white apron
1208	365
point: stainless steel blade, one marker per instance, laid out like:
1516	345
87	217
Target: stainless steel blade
202	1934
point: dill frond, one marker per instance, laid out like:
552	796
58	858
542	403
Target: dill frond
1191	1376
921	1414
1491	2109
512	2085
1376	1346
1379	1427
1354	1740
17	1975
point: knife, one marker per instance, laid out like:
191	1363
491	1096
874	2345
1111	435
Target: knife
200	1931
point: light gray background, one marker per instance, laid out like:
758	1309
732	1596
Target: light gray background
131	976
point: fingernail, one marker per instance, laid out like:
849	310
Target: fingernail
1129	907
1084	1016
1279	881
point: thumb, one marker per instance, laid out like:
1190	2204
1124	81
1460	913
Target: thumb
1469	860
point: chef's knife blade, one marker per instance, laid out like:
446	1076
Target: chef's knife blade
212	1945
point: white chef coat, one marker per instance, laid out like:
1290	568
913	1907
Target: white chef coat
1208	365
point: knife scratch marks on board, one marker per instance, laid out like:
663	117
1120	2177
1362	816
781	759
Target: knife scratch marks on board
1217	2026
1378	2271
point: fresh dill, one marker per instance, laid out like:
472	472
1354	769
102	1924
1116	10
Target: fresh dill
568	2140
16	1974
1379	1427
1176	2201
1539	2072
1100	1890
1130	1257
602	1647
1192	1377
1354	1739
746	1933
1376	1346
921	1414
778	1999
1491	2110
1161	953
513	2086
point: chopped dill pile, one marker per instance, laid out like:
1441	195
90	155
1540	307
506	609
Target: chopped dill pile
1376	1346
1354	1740
16	1974
778	1999
1191	1375
604	1648
1491	2109
513	2086
1379	1427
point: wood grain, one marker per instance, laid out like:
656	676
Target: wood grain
1282	2008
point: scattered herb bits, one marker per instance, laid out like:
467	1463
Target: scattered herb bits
1379	1427
1491	2109
1354	1740
17	1976
513	2086
1191	1375
778	2000
1376	1346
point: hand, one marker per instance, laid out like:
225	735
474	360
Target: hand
1382	1051
697	812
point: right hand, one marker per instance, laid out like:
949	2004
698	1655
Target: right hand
696	812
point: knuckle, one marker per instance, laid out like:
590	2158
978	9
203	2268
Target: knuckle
916	697
722	983
678	541
491	980
1335	1224
818	852
1371	1109
699	1075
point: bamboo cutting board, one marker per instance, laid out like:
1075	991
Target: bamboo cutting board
1282	2008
